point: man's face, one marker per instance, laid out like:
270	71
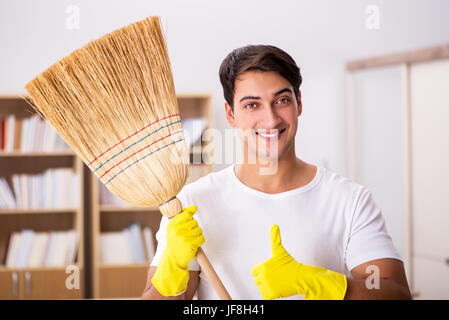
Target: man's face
266	111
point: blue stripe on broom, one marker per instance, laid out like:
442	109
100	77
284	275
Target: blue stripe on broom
141	159
134	144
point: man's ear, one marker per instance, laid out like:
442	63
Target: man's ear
299	103
229	114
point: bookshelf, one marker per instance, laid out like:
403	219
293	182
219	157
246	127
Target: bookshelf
44	281
127	280
88	218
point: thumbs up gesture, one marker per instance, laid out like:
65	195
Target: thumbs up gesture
282	276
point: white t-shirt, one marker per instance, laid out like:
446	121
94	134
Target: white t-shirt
332	222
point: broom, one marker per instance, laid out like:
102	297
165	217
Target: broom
113	102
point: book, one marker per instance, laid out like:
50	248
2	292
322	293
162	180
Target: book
25	134
59	249
13	249
52	135
28	248
38	135
149	243
17	134
25	123
24	188
54	188
7	199
67	193
3	200
75	191
31	145
32	190
41	192
72	246
49	253
115	248
2	134
11	121
39	249
17	190
23	253
136	242
5	134
64	188
45	137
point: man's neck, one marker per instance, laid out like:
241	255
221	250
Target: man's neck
291	173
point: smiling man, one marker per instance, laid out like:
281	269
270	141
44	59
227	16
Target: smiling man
333	233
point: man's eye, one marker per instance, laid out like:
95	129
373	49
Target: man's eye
283	101
250	106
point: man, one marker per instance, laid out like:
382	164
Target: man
332	230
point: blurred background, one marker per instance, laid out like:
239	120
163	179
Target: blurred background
375	99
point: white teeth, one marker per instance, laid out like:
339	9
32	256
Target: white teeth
268	135
265	134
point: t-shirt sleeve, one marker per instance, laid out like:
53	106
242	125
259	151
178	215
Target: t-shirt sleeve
368	237
161	237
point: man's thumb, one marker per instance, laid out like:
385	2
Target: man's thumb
276	243
191	209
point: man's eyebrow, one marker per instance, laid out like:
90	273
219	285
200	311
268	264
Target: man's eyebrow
274	95
249	98
282	91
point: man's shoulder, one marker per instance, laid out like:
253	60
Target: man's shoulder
344	193
340	184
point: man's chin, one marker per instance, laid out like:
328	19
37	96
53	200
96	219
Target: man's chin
264	156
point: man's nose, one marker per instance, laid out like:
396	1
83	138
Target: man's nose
271	118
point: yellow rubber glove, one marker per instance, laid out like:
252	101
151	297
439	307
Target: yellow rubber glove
282	276
184	237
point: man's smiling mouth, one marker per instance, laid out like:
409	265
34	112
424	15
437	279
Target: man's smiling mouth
270	134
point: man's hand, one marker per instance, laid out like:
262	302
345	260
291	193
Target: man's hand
282	276
184	237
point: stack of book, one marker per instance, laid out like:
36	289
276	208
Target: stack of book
55	188
28	248
129	246
31	134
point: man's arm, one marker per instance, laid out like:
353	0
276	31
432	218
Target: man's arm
392	281
151	293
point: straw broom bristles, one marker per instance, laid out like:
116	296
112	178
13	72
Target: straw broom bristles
113	102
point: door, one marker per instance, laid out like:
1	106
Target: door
429	92
10	288
53	283
378	136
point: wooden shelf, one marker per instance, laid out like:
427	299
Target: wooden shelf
104	281
127	209
125	266
4	268
38	211
16	154
38	282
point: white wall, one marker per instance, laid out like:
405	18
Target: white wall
320	35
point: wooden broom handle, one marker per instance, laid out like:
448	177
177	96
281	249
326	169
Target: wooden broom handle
172	207
210	273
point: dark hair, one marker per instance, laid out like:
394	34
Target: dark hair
257	57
